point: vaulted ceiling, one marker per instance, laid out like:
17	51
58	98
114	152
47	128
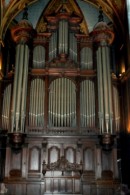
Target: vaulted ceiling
114	13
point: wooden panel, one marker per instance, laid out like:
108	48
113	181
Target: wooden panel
70	154
33	189
88	159
48	185
62	185
55	185
69	185
11	188
14	189
106	161
34	159
16	161
53	154
77	186
20	189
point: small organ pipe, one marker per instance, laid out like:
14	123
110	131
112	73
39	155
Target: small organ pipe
109	89
37	103
100	90
60	37
19	88
15	88
105	89
62	106
63	37
53	106
30	107
24	89
40	103
87	104
56	112
34	102
59	105
65	100
93	106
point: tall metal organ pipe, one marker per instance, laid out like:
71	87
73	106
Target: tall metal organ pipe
73	46
53	46
21	34
62	103
38	57
103	36
6	107
63	37
87	104
86	58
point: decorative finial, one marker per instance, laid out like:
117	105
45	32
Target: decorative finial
25	13
100	17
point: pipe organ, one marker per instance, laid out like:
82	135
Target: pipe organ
62	99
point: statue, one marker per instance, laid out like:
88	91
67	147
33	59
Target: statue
3	189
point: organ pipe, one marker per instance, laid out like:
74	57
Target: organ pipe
20	89
36	107
86	58
104	88
15	88
53	46
21	34
6	107
39	57
109	88
63	37
73	47
62	103
24	88
103	37
116	108
19	85
100	92
87	102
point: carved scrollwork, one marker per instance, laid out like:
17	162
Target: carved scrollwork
62	164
